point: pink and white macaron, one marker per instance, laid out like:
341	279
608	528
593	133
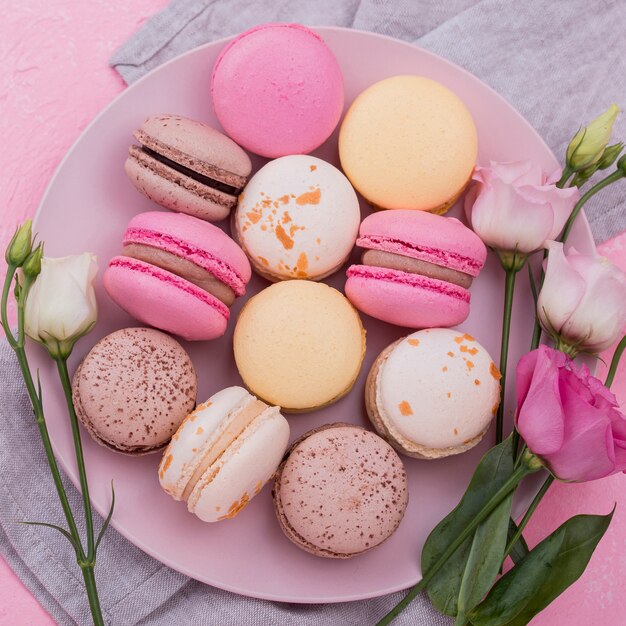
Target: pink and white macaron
178	273
416	269
277	89
223	454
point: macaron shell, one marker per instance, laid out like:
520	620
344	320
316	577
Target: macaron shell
195	240
178	192
299	345
441	240
438	388
199	141
341	491
419	302
242	470
197	432
408	142
124	394
164	300
298	217
275	103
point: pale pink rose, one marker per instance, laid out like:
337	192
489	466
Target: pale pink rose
515	207
568	418
583	300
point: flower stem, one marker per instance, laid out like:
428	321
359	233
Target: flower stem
36	401
509	486
605	182
531	509
565	176
89	578
3	307
617	355
509	286
80	461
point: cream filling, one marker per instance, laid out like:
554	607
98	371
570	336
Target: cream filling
181	267
392	261
237	425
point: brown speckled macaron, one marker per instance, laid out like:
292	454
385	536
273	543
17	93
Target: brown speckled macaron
133	390
341	491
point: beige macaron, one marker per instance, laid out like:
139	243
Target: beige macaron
433	394
409	142
299	345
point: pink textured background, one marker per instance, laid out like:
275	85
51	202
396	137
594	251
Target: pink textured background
54	78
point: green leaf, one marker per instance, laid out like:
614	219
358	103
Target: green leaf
107	520
485	557
550	568
64	532
520	548
492	472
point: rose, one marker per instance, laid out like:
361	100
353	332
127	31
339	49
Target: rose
568	418
515	208
582	304
61	304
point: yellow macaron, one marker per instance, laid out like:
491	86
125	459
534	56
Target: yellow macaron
408	142
299	345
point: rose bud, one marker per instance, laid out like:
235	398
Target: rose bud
568	418
582	304
588	144
20	245
61	304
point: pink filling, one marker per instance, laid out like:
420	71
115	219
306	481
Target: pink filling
405	278
452	260
179	283
222	271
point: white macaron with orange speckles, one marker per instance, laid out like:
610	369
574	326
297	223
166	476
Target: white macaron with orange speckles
223	454
298	217
434	393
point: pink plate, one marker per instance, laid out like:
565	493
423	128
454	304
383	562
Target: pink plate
86	208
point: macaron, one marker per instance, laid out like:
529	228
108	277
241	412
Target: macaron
277	89
433	394
178	273
340	492
299	345
133	390
408	142
298	217
223	454
416	268
187	166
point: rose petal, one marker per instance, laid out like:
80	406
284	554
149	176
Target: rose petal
540	418
562	290
505	220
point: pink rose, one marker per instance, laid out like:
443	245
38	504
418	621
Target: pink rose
568	418
515	207
583	300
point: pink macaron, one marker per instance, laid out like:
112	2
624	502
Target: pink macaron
416	269
277	89
178	273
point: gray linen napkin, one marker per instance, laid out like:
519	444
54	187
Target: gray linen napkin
560	63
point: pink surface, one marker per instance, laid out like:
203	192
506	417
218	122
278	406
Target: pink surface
46	50
406	299
194	240
420	235
308	79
